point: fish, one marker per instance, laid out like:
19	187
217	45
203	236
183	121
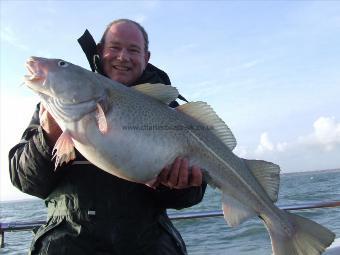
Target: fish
132	133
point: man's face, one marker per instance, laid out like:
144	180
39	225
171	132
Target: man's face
123	54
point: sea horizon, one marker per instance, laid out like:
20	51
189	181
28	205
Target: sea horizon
329	170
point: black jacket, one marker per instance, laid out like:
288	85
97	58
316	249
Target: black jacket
90	210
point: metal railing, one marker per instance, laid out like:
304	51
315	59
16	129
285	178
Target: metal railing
24	226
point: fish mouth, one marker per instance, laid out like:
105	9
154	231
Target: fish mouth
35	71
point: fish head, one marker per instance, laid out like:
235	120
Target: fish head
60	79
68	91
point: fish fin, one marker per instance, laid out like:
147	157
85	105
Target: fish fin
267	174
306	237
63	150
203	113
234	212
101	120
159	91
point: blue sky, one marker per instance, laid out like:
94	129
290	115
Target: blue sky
270	69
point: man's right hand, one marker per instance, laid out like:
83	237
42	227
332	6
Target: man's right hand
49	125
179	175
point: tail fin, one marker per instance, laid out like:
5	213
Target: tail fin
308	238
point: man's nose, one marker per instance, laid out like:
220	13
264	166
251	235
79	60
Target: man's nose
123	54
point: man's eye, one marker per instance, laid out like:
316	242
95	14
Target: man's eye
135	51
115	48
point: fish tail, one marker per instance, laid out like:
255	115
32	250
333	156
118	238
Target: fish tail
302	237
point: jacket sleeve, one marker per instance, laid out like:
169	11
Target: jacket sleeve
179	198
30	162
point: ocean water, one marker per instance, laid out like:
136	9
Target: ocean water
211	235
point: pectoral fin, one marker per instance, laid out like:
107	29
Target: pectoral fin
63	150
101	120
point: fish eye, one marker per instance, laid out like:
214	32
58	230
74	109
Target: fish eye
62	63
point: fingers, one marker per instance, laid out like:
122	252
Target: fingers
174	173
49	125
179	175
183	175
164	174
196	176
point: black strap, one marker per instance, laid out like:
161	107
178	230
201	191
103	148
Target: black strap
182	98
89	46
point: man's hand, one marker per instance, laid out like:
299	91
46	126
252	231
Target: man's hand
179	175
49	125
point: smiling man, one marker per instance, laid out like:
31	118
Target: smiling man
89	210
124	52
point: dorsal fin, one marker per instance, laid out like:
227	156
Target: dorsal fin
267	174
203	113
159	91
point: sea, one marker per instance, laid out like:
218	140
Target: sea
211	235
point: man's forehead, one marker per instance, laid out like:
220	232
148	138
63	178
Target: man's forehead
125	31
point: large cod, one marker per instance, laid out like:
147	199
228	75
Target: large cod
132	133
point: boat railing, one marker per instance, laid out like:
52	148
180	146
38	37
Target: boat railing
25	226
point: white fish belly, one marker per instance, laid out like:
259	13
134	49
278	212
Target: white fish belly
134	155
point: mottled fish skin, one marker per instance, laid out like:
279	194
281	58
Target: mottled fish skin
143	135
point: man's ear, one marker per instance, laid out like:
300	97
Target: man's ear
97	59
147	57
100	49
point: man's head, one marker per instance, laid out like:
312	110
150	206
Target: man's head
124	51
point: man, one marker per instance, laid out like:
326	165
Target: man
89	210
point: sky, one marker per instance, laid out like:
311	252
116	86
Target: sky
270	69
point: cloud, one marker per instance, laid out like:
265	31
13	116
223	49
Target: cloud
265	144
319	149
282	146
326	134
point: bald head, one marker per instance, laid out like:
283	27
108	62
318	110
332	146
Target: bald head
123	51
138	26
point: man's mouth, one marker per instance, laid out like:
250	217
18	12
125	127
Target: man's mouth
121	68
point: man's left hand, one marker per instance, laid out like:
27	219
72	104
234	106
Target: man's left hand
179	175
